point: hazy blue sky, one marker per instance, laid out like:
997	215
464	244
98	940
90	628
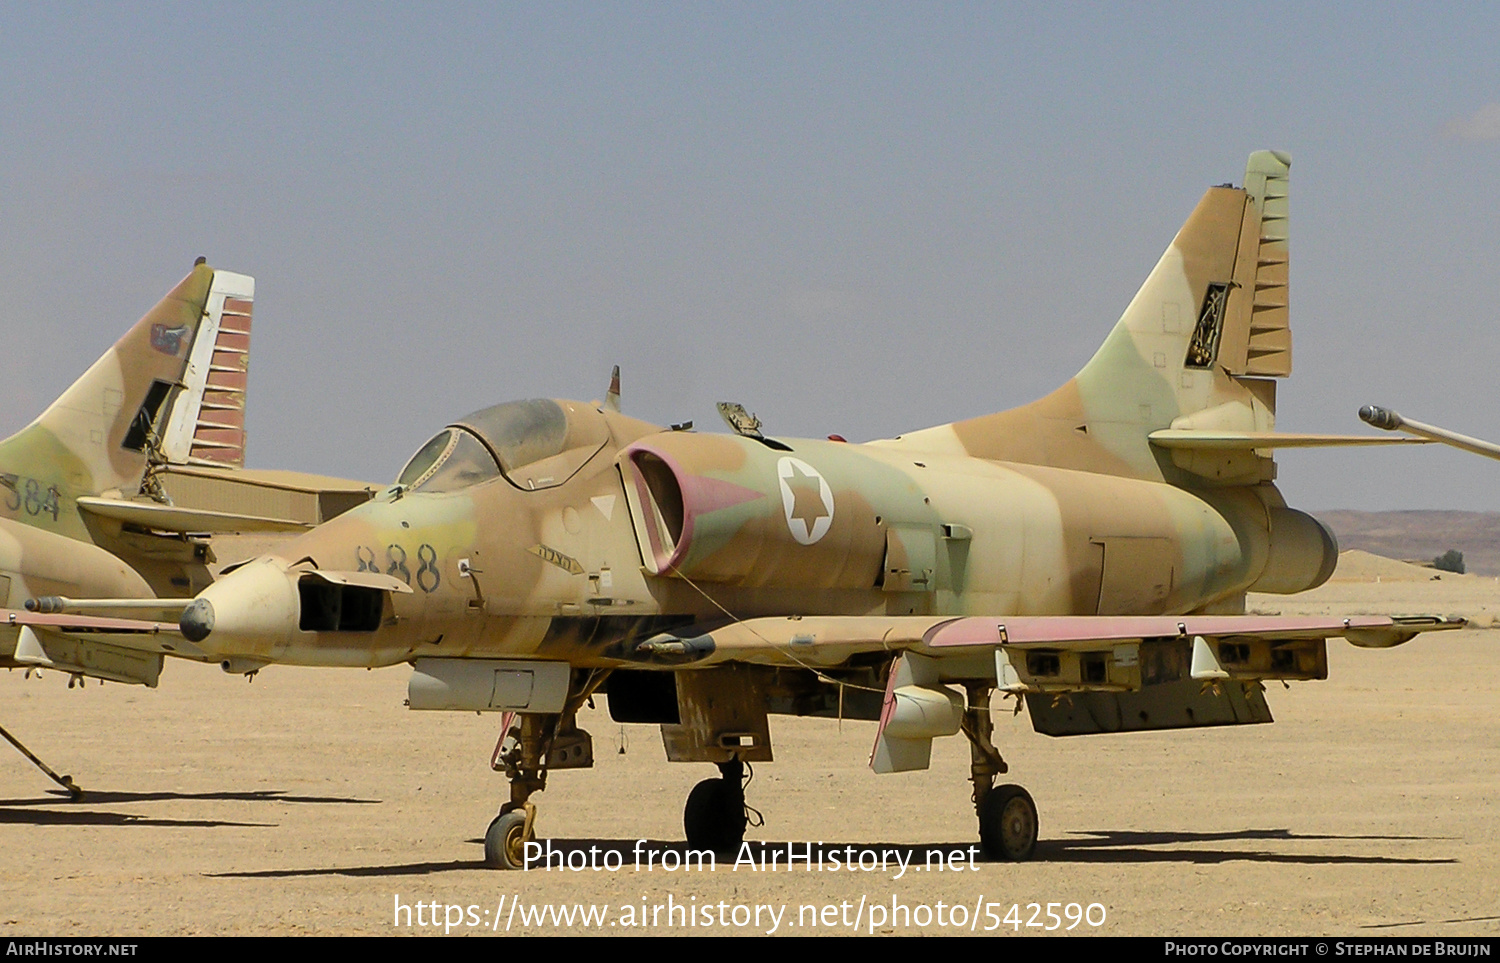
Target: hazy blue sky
853	218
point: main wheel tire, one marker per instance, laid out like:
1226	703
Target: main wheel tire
714	817
1008	824
505	841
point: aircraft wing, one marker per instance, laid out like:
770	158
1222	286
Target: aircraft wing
1083	631
170	518
828	641
117	649
141	635
1078	674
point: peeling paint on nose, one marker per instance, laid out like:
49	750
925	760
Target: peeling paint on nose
197	620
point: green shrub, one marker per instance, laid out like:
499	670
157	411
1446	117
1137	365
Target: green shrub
1450	561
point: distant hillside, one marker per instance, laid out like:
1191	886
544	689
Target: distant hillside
1421	535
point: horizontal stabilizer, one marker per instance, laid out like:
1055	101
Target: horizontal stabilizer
169	518
1249	440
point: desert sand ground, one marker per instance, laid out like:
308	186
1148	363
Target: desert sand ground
311	802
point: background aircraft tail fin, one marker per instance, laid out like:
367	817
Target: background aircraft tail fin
171	390
1195	349
206	425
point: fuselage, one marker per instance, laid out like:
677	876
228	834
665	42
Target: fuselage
634	529
45	548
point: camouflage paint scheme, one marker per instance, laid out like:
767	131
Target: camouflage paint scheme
817	576
1044	499
83	445
86	507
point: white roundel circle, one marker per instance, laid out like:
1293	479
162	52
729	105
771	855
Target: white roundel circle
806	500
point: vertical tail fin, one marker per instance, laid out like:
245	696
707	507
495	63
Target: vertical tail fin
171	389
206	425
1257	330
1192	350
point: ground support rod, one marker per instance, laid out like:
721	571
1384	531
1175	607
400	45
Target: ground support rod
64	781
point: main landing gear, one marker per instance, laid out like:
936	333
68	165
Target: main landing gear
715	817
1007	816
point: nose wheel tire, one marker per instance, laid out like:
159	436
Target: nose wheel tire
714	817
505	841
1008	824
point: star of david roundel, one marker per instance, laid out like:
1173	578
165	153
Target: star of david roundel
806	499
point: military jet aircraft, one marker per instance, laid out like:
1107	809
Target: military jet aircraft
113	489
1089	552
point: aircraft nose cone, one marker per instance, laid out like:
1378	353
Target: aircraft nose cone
197	620
252	612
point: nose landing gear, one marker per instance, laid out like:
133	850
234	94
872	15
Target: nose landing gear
505	841
532	744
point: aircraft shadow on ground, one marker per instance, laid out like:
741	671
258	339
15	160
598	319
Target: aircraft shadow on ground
62	810
1121	846
394	869
94	817
664	858
1454	920
93	796
1099	847
659	857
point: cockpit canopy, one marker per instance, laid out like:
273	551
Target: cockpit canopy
535	444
